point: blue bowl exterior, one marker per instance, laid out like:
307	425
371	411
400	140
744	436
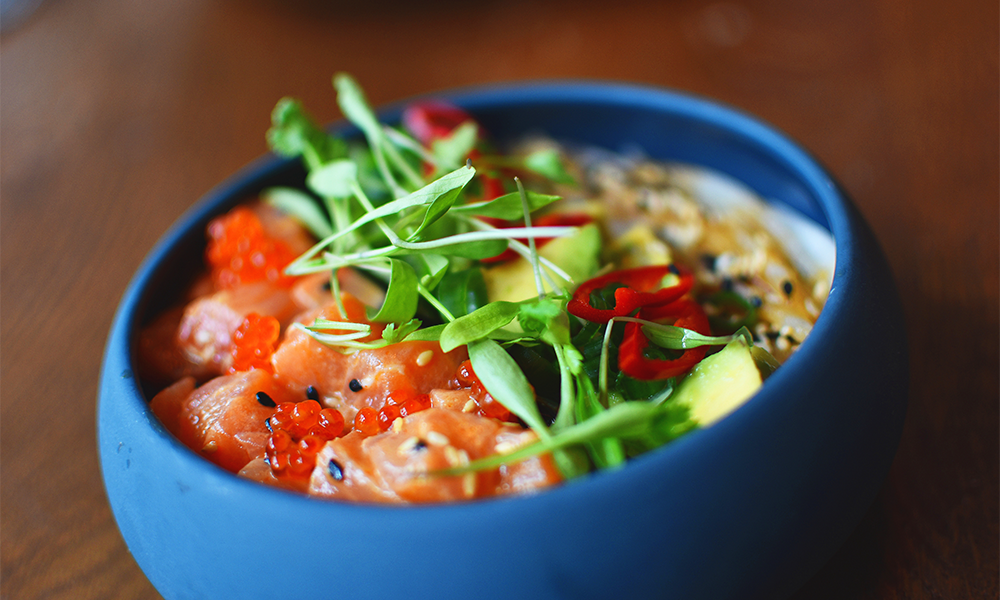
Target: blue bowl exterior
748	508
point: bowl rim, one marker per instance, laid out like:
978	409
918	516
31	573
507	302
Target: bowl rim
833	203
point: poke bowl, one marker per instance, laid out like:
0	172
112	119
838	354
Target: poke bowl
749	507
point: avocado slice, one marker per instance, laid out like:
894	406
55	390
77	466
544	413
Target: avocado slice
720	383
576	254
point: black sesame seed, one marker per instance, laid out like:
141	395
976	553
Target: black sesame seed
791	339
312	394
267	423
336	471
265	400
327	286
727	284
673	269
756	302
709	261
355	385
420	445
773	335
787	287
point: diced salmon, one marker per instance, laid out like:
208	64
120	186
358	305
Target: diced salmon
361	287
356	313
529	474
258	470
301	361
223	419
393	466
167	404
359	478
313	291
203	336
205	332
160	358
196	339
453	400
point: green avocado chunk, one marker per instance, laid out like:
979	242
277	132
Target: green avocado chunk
720	383
576	254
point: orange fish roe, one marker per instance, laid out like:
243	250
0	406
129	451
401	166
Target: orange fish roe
486	405
366	421
299	430
415	405
240	251
254	343
401	403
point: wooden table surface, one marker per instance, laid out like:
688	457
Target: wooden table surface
117	115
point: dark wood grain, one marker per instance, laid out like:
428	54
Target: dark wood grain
115	116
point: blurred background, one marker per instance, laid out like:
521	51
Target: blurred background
116	115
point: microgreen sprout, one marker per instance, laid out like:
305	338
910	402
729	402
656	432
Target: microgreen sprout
405	214
532	249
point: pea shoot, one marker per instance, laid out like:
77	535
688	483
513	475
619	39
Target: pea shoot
410	209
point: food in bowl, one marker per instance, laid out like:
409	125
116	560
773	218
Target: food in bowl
747	508
409	328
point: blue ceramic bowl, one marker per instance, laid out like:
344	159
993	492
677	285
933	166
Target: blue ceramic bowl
748	508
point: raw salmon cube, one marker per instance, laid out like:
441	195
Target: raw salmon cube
222	420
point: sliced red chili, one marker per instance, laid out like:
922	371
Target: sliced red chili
641	287
632	359
492	186
550	220
433	120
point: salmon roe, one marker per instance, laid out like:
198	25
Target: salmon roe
401	403
366	421
240	251
254	342
486	405
299	430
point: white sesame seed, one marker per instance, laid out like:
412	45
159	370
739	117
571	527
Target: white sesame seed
505	447
397	425
424	358
437	439
821	289
408	445
451	455
469	406
469	484
212	446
